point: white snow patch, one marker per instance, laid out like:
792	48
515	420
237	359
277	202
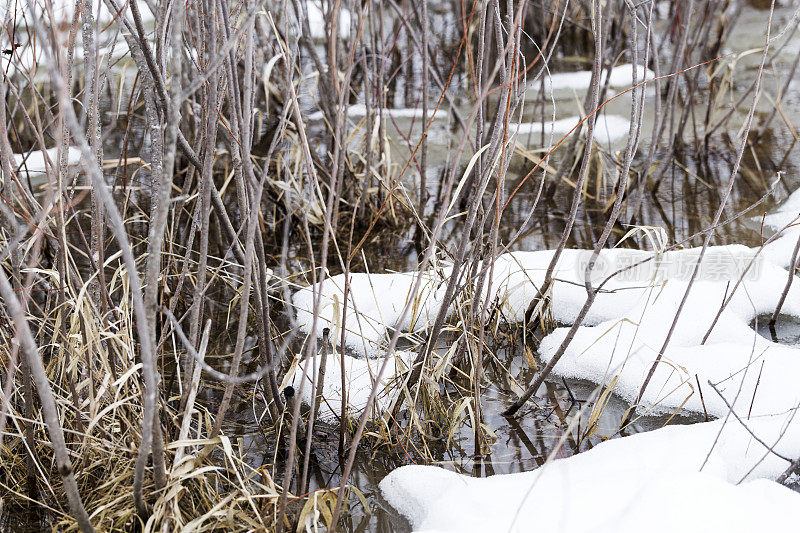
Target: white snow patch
64	12
652	481
627	325
374	305
607	128
316	21
360	376
359	111
787	213
33	163
621	76
624	328
786	220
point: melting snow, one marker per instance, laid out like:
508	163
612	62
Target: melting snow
621	76
654	481
33	163
360	375
607	128
359	111
374	301
625	327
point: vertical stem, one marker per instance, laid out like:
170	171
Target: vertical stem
49	409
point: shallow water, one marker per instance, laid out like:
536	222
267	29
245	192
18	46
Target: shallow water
786	329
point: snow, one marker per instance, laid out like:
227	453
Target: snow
623	330
621	76
360	375
316	21
787	213
33	60
712	476
34	162
374	305
608	128
786	221
654	481
627	326
358	111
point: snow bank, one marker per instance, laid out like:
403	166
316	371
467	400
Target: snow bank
652	481
360	375
628	323
608	128
624	328
787	213
785	219
33	163
621	76
374	305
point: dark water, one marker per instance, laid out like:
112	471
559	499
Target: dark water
786	329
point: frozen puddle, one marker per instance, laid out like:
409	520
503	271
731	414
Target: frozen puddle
785	331
659	481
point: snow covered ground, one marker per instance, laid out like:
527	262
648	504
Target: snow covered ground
697	478
786	220
624	329
375	302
